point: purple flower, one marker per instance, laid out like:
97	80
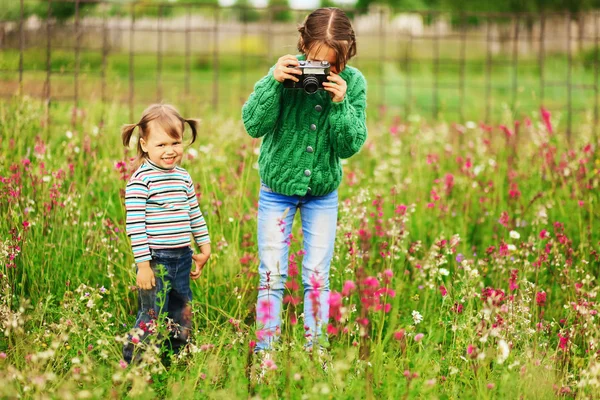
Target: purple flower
459	258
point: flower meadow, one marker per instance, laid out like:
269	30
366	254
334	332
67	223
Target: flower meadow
466	265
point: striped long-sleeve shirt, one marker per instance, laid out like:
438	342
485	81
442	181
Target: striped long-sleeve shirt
162	210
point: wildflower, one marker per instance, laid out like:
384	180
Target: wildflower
443	290
504	219
419	337
265	311
399	335
417	317
513	280
514	235
504	351
122	364
546	118
349	286
2	355
471	350
544	234
563	341
540	298
490	385
332	330
459	258
269	364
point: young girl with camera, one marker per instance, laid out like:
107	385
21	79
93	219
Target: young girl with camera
304	137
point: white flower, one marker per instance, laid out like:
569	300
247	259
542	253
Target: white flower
417	317
504	351
514	235
511	247
471	125
69	134
193	152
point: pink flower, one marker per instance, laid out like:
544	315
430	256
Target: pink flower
490	385
506	130
135	340
419	337
504	219
399	335
252	345
269	364
331	330
3	355
563	340
540	298
546	118
543	234
123	364
513	280
265	312
470	349
349	286
443	290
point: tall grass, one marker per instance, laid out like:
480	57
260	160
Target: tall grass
465	264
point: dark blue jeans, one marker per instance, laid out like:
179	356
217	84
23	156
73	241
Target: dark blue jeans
169	298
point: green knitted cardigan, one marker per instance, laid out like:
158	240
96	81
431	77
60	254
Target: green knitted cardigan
305	136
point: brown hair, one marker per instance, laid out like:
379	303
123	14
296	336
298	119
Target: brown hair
328	26
167	117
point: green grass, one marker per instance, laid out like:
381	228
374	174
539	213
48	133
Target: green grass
400	87
67	300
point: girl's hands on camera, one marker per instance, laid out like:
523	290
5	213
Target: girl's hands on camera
336	87
284	69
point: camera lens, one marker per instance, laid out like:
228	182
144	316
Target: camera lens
311	84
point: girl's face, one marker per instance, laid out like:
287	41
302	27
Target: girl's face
323	53
162	149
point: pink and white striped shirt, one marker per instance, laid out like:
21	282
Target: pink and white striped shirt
162	210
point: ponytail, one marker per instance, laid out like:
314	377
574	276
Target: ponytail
126	133
194	124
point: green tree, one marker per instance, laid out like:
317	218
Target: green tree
282	12
247	12
61	11
327	3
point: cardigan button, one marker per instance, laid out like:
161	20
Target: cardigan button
319	108
309	149
313	127
307	172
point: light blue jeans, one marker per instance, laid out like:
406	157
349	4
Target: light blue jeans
319	222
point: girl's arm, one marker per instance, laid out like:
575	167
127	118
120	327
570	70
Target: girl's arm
136	194
197	222
348	119
261	110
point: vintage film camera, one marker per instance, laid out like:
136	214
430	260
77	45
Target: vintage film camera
314	73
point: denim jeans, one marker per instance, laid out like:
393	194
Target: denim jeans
319	222
169	298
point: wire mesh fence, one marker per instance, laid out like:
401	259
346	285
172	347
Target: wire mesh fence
477	66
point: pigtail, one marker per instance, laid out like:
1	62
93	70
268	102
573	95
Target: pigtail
126	133
194	124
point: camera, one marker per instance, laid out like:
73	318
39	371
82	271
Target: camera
314	73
